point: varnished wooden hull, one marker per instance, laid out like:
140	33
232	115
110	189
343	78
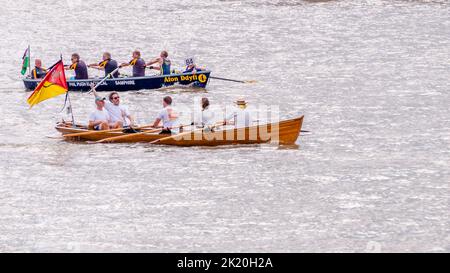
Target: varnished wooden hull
98	135
283	132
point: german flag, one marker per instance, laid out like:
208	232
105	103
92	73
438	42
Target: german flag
52	85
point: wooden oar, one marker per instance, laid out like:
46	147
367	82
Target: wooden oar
104	79
92	132
185	133
231	80
113	139
175	136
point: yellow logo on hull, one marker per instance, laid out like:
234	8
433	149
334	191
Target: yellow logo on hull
190	78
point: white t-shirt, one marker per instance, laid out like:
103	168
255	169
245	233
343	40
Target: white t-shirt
118	112
169	118
100	115
242	118
204	117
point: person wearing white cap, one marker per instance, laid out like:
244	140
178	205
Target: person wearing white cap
100	119
241	116
191	66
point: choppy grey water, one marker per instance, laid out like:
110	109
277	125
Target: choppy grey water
371	78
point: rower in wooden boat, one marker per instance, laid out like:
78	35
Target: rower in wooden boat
100	118
138	64
79	67
191	66
204	118
240	117
163	63
38	72
107	64
118	112
168	116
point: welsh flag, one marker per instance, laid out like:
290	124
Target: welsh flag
25	61
53	84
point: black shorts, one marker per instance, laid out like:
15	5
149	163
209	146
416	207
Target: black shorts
165	131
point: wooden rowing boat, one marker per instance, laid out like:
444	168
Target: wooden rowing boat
67	128
284	132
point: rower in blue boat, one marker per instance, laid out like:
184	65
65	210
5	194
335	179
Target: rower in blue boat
79	66
138	64
191	66
107	64
163	63
38	72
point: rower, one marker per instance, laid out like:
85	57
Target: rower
118	112
168	116
100	119
107	64
138	64
80	68
206	116
163	63
38	72
191	66
240	115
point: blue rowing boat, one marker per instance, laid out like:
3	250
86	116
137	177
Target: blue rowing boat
199	79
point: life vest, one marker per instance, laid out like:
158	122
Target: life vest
102	64
73	66
165	67
133	62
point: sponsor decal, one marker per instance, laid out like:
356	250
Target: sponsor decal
124	82
202	78
171	79
186	78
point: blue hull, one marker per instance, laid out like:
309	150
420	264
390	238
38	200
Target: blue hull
199	79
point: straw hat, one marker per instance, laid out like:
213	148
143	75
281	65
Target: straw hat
240	101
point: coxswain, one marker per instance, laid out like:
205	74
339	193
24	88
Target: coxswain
163	63
80	68
107	64
191	66
38	72
168	116
240	117
138	64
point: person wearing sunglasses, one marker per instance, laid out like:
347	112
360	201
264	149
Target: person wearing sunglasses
117	111
79	66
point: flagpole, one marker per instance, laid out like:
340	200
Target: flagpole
68	99
29	61
71	112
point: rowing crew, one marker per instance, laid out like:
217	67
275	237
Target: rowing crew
109	65
111	115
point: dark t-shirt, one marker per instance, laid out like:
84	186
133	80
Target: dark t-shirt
138	67
81	71
110	66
